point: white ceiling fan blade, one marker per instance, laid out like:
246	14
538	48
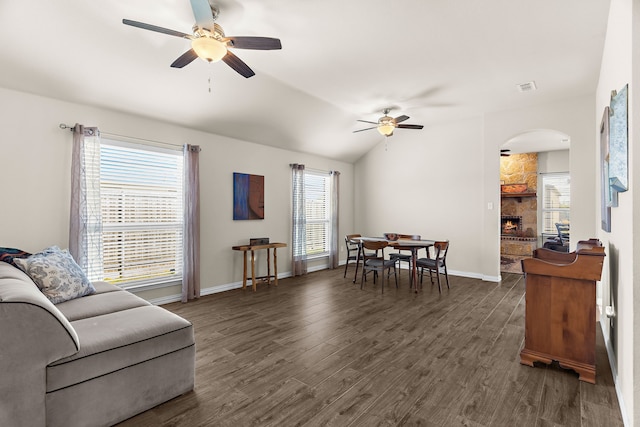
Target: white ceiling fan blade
202	13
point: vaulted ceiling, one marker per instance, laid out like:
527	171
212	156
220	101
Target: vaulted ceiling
433	60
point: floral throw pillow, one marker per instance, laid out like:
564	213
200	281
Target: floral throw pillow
8	254
56	274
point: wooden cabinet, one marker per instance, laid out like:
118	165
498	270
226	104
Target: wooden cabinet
560	318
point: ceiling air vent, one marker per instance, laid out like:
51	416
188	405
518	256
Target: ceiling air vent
527	87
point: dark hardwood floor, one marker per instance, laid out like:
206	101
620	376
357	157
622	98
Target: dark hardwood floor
317	350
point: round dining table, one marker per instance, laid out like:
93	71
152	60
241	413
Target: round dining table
401	244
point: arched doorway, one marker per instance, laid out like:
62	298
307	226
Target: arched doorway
527	159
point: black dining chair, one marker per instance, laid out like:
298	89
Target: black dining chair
352	251
401	256
377	264
436	264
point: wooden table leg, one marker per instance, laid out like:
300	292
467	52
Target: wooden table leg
269	266
275	266
414	269
244	272
253	271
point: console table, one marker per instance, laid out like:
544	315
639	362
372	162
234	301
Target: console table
560	312
253	248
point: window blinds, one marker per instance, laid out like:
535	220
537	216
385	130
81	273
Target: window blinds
556	200
317	191
142	215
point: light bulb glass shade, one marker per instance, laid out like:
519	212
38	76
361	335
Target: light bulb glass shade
386	130
209	48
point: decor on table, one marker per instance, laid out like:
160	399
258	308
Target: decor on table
258	241
248	196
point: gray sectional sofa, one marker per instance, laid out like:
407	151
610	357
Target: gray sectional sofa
91	361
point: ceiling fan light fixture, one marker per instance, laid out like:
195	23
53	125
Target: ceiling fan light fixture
386	130
386	126
209	49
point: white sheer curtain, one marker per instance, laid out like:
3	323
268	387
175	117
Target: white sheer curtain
299	232
85	219
191	227
334	251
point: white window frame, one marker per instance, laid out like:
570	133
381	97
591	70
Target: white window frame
171	198
562	211
312	191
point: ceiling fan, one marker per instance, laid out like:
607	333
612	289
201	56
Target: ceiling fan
209	42
386	124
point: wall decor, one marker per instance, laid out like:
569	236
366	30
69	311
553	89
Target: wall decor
605	189
618	144
248	196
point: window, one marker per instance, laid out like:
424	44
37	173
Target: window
141	210
318	212
556	201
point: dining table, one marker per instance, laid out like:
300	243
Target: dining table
401	244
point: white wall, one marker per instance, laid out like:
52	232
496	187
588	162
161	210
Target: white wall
35	163
620	274
426	182
554	161
573	117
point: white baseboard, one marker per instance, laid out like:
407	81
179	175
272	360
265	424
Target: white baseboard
614	372
237	285
210	290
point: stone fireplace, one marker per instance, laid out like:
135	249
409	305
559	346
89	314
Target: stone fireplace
519	210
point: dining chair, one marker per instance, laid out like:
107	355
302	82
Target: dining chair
404	256
377	264
352	251
436	264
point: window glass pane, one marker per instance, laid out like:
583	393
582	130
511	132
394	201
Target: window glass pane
556	200
141	203
318	210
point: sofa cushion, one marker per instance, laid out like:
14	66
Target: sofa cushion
115	341
17	288
8	254
99	304
105	287
56	274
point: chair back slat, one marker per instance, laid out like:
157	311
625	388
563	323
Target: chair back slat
441	248
375	245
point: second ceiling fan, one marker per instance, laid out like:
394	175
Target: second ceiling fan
387	124
209	42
